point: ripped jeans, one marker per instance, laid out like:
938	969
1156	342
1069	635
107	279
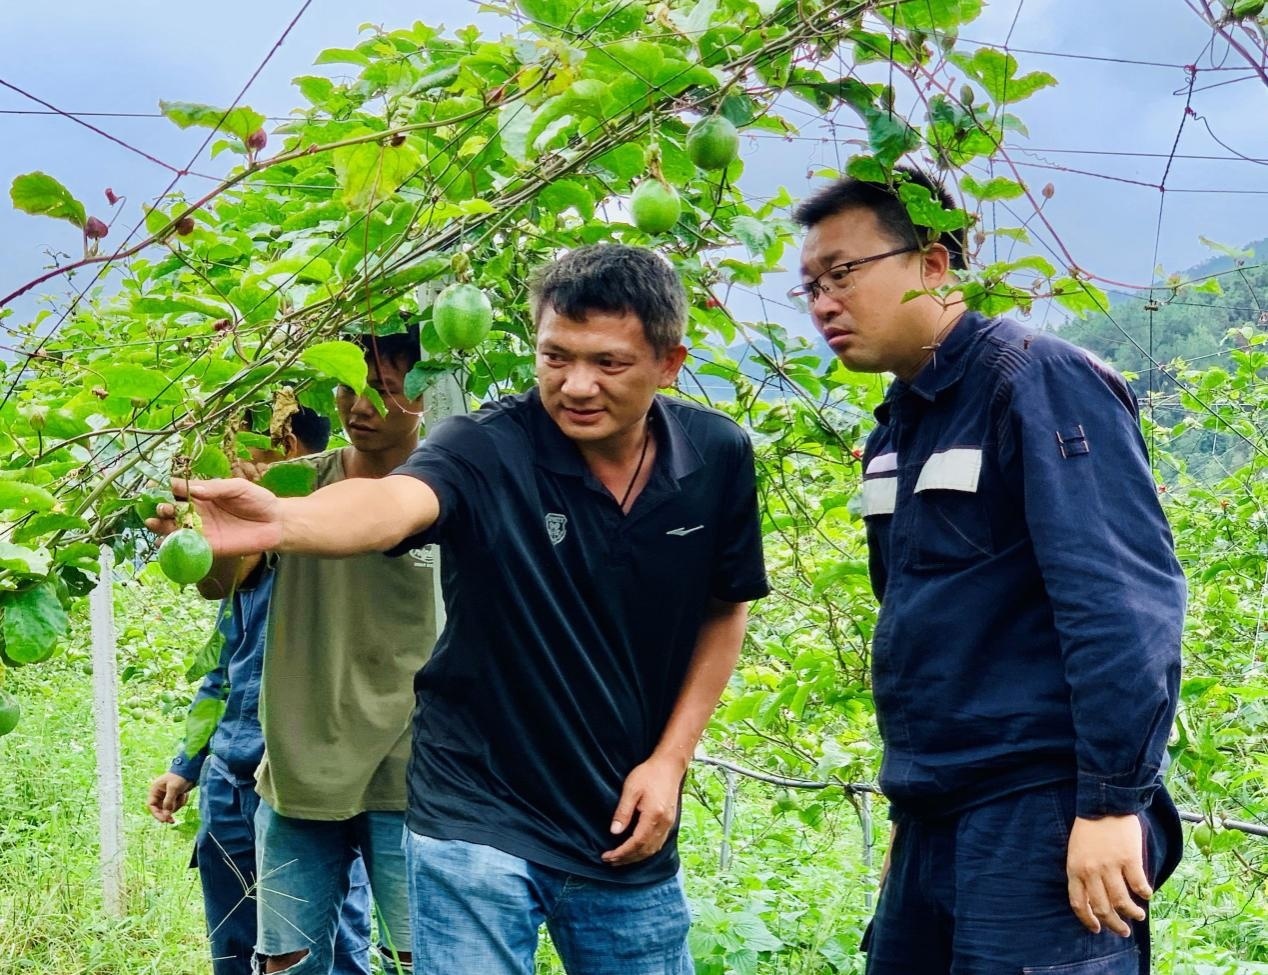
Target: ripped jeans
303	881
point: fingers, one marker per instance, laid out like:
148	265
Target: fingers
625	809
157	801
1134	874
650	832
1079	904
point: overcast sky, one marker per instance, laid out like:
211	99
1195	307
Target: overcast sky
124	56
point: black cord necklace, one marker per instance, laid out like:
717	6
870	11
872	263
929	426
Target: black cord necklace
647	439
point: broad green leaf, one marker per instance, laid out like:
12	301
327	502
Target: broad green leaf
341	55
866	169
240	121
1237	253
996	72
754	234
133	382
22	560
551	13
33	622
565	193
1079	297
208	655
931	15
201	723
25	498
1211	286
211	463
343	362
997	188
424	373
372	172
290	480
889	135
39	194
927	211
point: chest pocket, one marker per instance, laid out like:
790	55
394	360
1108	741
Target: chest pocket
951	526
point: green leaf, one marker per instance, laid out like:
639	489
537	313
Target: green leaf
371	172
342	361
208	655
996	72
201	723
34	621
22	560
211	463
290	480
889	135
240	121
40	195
998	188
1237	253
1211	286
1079	296
23	497
931	15
926	210
754	234
341	55
565	193
866	169
133	382
418	379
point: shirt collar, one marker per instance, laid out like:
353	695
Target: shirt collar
676	453
944	369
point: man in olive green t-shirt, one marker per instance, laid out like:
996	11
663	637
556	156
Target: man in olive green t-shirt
344	640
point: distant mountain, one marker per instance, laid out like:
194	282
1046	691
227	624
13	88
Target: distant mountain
1189	323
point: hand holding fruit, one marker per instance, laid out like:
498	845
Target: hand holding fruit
238	517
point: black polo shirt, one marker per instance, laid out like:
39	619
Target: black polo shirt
570	624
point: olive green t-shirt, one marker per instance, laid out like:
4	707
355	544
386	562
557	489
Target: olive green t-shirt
344	640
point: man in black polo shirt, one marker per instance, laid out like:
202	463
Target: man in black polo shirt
599	546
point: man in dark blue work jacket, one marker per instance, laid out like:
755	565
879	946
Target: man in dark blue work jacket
1027	656
600	543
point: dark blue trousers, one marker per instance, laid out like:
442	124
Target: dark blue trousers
224	852
984	893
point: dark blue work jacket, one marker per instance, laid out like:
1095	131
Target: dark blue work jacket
237	742
1031	601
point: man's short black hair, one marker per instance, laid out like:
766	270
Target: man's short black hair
617	279
311	429
399	348
891	213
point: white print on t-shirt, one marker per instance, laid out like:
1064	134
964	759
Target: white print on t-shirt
424	557
684	530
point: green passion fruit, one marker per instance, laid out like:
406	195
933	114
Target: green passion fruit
10	712
713	143
462	316
185	556
655	206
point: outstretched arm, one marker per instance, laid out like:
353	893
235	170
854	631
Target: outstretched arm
347	518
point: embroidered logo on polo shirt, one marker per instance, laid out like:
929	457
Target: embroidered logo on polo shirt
556	527
684	530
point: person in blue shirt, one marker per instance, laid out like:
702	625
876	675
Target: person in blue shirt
225	847
1026	658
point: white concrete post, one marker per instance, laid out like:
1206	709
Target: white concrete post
105	709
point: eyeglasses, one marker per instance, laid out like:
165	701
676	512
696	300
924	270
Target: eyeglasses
838	277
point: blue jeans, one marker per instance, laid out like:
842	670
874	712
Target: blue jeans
984	893
303	867
477	909
224	852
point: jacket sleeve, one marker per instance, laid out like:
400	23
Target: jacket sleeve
1107	559
215	685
